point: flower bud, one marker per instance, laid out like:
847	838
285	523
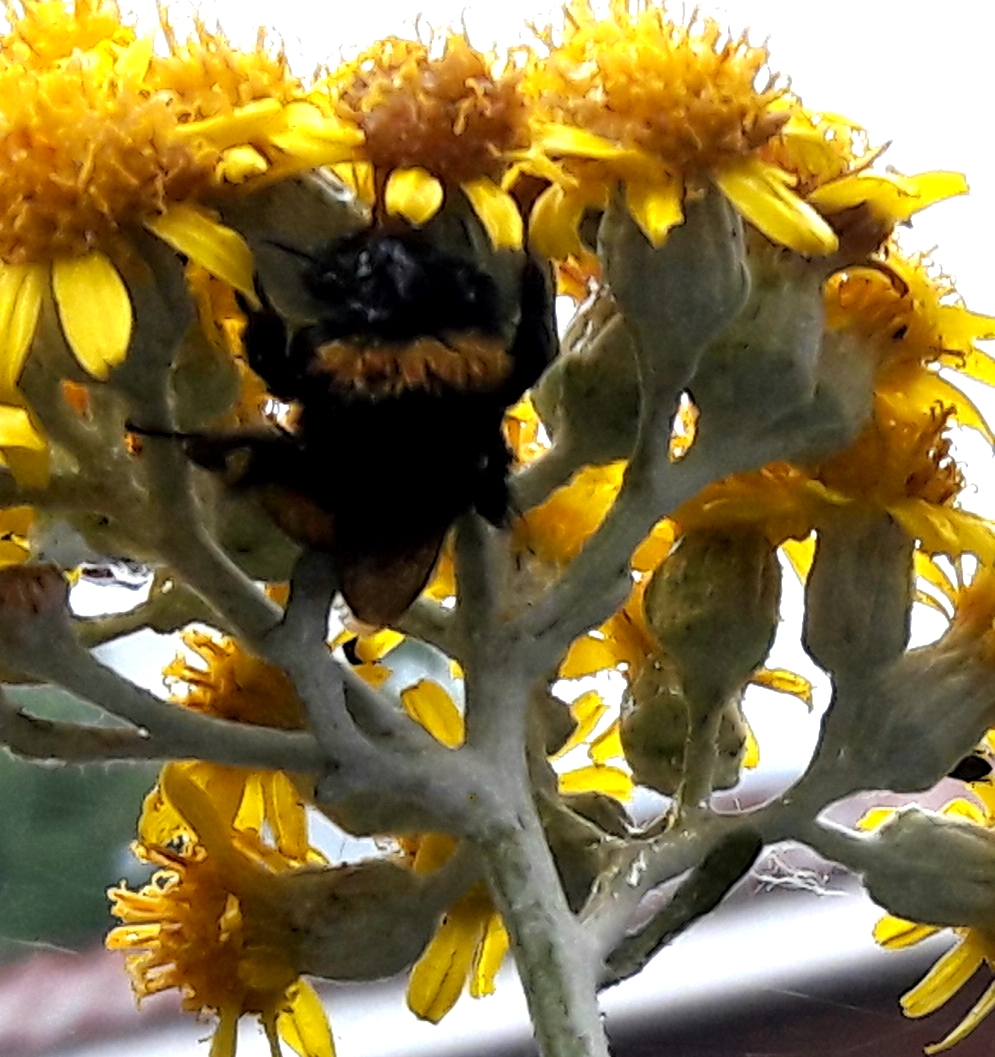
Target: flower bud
654	733
367	921
713	607
765	364
842	402
932	869
679	296
588	399
205	383
907	727
858	599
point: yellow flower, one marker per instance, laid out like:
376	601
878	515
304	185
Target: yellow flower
913	322
830	158
974	948
434	124
237	686
663	108
98	137
247	105
213	923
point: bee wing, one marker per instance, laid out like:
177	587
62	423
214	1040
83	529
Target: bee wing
379	587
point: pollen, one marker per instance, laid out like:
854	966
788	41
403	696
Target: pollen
84	154
456	115
688	94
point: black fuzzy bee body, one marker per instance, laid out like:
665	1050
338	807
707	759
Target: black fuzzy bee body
401	385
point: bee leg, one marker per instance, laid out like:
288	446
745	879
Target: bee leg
490	492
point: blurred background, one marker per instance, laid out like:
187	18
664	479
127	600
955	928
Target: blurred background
787	966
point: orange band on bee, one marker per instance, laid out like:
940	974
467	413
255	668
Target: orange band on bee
462	362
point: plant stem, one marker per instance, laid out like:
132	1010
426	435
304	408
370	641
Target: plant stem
555	958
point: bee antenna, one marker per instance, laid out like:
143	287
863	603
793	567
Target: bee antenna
172	434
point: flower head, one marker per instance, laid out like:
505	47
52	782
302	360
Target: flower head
435	121
235	685
975	947
664	107
213	923
831	161
100	137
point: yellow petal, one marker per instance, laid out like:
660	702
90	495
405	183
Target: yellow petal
133	62
358	176
751	753
251	812
586	656
972	362
303	1024
876	816
932	603
439	975
430	705
21	290
434	850
800	555
497	211
255	121
597	778
215	247
657	546
312	138
937	577
376	646
239	164
945	530
891	197
286	815
964	809
160	822
587	710
918	390
976	1014
607	745
414	194
12	553
17	520
553	223
943	981
784	682
897	933
656	207
578	143
94	309
24	448
760	192
491	953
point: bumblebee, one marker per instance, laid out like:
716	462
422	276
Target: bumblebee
400	382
